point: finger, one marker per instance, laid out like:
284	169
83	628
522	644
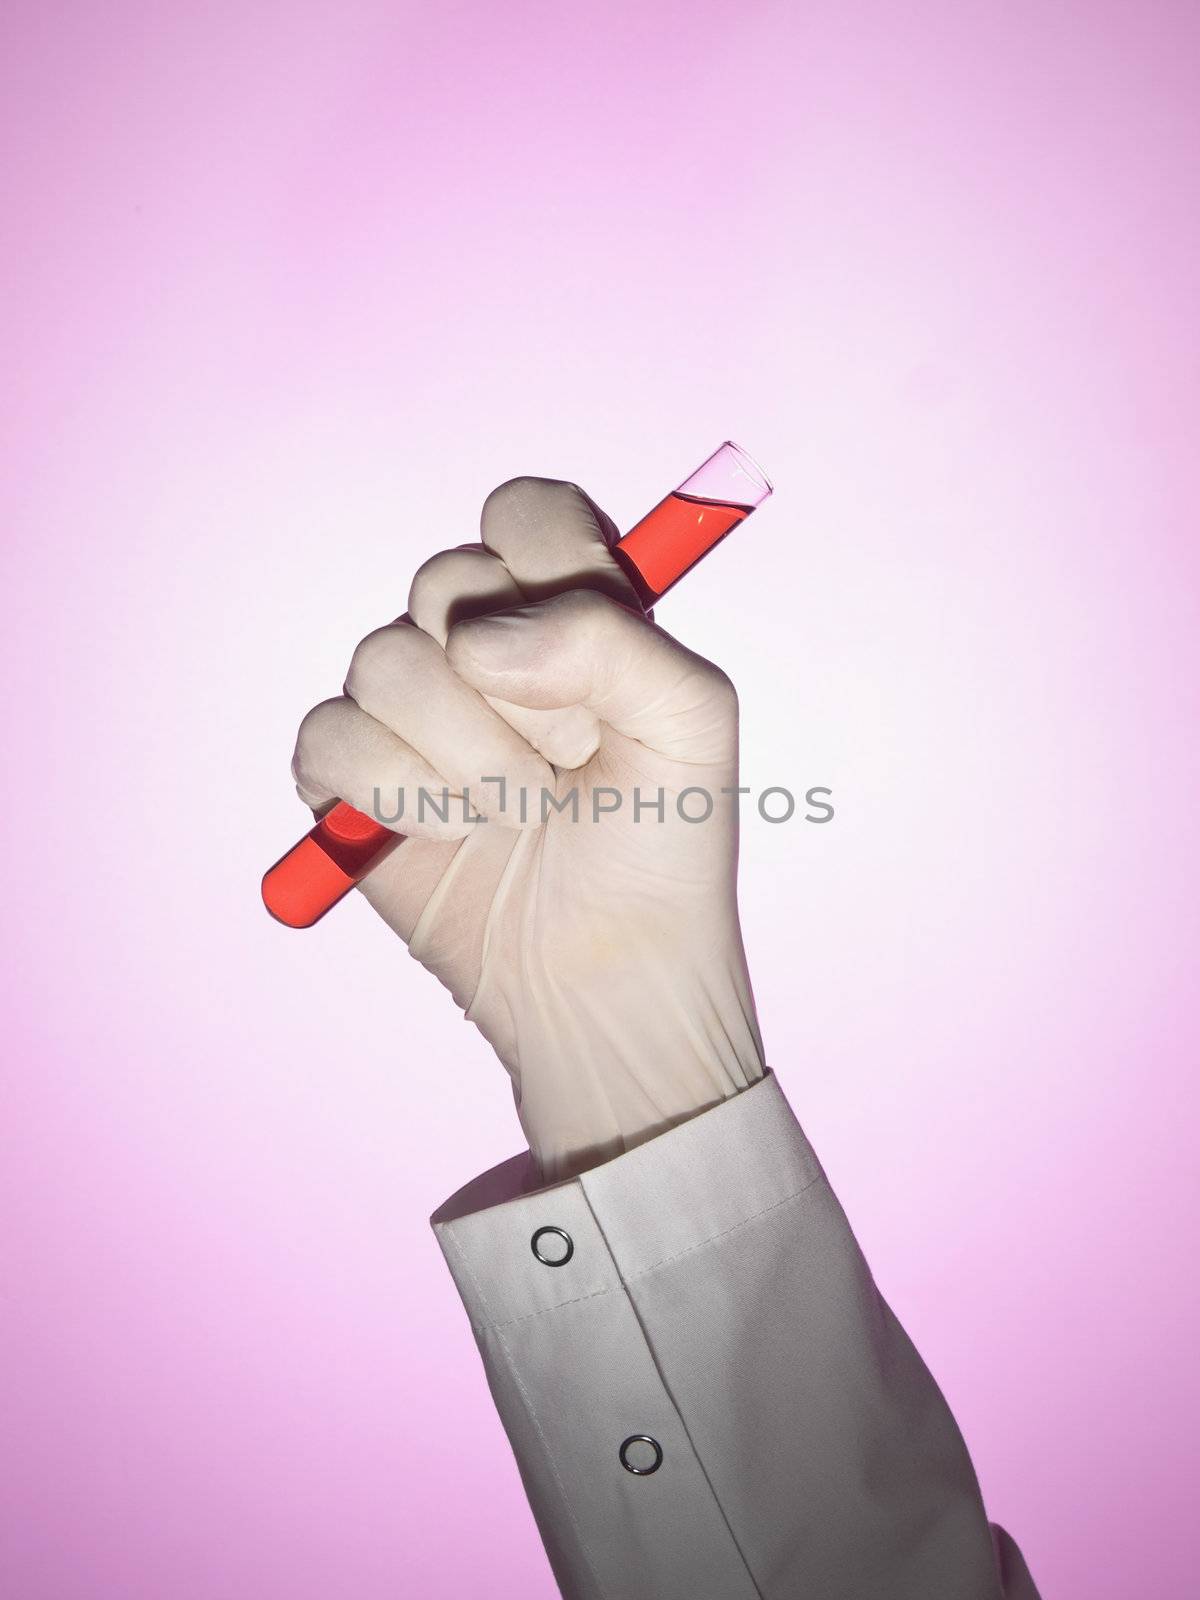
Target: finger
583	647
402	678
342	753
468	582
552	536
457	584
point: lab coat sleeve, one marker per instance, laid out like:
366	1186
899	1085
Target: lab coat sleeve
704	1290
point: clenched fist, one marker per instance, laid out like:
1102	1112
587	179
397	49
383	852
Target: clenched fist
565	774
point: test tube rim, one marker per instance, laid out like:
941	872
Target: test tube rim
748	459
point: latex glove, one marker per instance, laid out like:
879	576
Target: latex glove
601	955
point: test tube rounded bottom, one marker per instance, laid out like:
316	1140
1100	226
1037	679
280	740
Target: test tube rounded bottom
325	865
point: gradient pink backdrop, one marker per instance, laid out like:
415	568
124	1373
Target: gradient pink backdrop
290	287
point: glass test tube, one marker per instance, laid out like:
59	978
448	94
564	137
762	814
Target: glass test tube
667	543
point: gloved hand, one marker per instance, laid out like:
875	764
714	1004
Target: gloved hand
596	947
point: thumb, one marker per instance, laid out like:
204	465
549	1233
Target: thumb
584	648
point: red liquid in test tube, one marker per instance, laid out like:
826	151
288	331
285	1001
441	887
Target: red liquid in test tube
667	543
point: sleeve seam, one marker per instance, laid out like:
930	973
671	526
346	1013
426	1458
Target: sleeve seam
527	1316
598	1294
713	1238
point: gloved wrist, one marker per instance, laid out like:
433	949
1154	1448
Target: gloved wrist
696	1085
612	1036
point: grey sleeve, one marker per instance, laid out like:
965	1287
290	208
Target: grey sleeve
705	1291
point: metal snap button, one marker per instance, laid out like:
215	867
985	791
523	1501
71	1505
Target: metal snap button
629	1462
553	1255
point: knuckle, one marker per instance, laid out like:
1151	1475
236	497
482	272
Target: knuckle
450	578
395	650
723	690
431	578
583	606
436	575
317	734
529	496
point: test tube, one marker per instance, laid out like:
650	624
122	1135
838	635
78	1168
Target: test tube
667	543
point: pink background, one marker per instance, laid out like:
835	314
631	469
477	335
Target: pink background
290	287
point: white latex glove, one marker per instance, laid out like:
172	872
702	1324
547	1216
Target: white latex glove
600	957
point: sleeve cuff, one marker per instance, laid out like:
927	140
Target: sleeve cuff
697	1181
705	1299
